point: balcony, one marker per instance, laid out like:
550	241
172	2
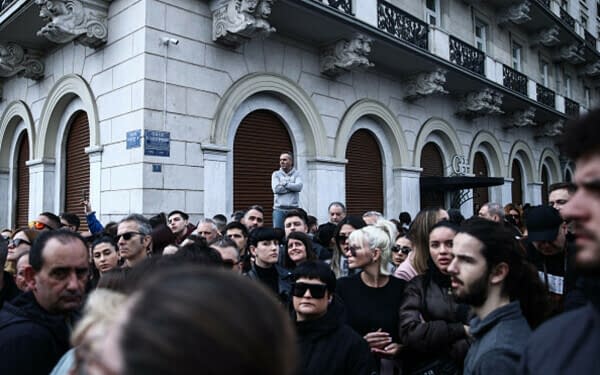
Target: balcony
545	96
546	3
344	6
590	40
565	16
402	25
514	80
571	108
466	56
5	4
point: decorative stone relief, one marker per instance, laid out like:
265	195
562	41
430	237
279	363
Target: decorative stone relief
520	119
481	103
236	21
84	21
426	83
547	37
592	70
346	55
552	129
15	60
572	53
515	13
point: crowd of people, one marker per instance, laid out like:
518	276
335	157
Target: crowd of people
511	290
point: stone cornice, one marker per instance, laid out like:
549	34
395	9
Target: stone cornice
84	21
14	60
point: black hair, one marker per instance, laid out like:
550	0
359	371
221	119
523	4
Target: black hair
582	136
256	207
336	203
104	239
183	215
569	186
405	218
53	218
72	219
223	242
305	239
296	213
263	234
456	216
355	222
3	250
36	258
236	225
314	269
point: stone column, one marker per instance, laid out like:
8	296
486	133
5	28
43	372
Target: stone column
41	186
534	193
5	198
324	182
506	191
217	194
408	191
95	155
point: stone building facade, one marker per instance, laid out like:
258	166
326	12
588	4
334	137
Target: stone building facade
162	88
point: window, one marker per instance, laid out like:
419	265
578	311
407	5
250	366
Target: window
432	12
481	35
568	93
544	73
564	4
586	97
516	56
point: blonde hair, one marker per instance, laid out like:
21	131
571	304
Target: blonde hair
100	311
378	236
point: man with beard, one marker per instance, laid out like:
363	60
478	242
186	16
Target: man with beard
35	327
489	273
570	343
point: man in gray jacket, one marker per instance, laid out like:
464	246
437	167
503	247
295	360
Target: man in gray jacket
286	184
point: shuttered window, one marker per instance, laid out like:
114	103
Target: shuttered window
433	166
77	167
517	184
545	185
259	141
364	174
22	196
480	195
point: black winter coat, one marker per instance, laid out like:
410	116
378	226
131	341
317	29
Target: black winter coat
432	324
31	340
9	291
327	346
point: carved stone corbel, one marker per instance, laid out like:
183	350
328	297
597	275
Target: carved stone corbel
572	53
16	60
237	21
481	103
592	70
84	21
515	13
426	83
547	37
519	119
346	55
551	129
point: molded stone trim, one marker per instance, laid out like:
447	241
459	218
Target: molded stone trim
486	138
426	83
445	131
84	21
14	60
14	113
346	55
237	21
552	161
526	158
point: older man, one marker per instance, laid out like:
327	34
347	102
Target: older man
286	184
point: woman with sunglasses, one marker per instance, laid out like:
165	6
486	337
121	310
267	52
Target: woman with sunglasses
372	297
400	251
432	325
298	250
21	242
339	262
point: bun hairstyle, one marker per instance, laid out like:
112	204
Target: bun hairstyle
380	236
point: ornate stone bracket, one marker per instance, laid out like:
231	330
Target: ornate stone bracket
15	60
426	83
547	37
84	21
346	55
515	13
552	129
237	21
519	119
572	53
592	70
481	103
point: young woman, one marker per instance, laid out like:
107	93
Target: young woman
339	262
21	242
400	251
104	254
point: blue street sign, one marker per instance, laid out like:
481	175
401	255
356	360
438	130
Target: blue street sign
157	143
134	138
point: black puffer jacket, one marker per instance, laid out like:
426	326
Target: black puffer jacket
431	323
327	346
31	340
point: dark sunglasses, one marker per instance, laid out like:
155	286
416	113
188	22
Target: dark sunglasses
18	242
404	249
228	263
126	236
316	290
341	238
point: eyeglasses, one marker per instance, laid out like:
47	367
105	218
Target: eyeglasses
341	238
316	290
404	249
18	242
229	263
38	225
126	236
353	250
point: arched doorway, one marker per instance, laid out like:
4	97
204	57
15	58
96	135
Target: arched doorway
433	166
364	174
480	195
21	214
259	140
517	184
77	167
545	184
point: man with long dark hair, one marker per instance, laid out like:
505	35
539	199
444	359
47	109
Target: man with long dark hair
490	273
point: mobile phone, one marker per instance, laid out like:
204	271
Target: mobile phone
84	195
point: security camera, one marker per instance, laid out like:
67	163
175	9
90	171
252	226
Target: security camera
167	41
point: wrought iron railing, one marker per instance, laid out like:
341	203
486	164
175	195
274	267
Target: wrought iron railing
5	4
589	38
467	56
514	80
571	108
545	96
402	25
341	5
565	16
545	3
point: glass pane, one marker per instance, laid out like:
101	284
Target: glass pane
431	5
